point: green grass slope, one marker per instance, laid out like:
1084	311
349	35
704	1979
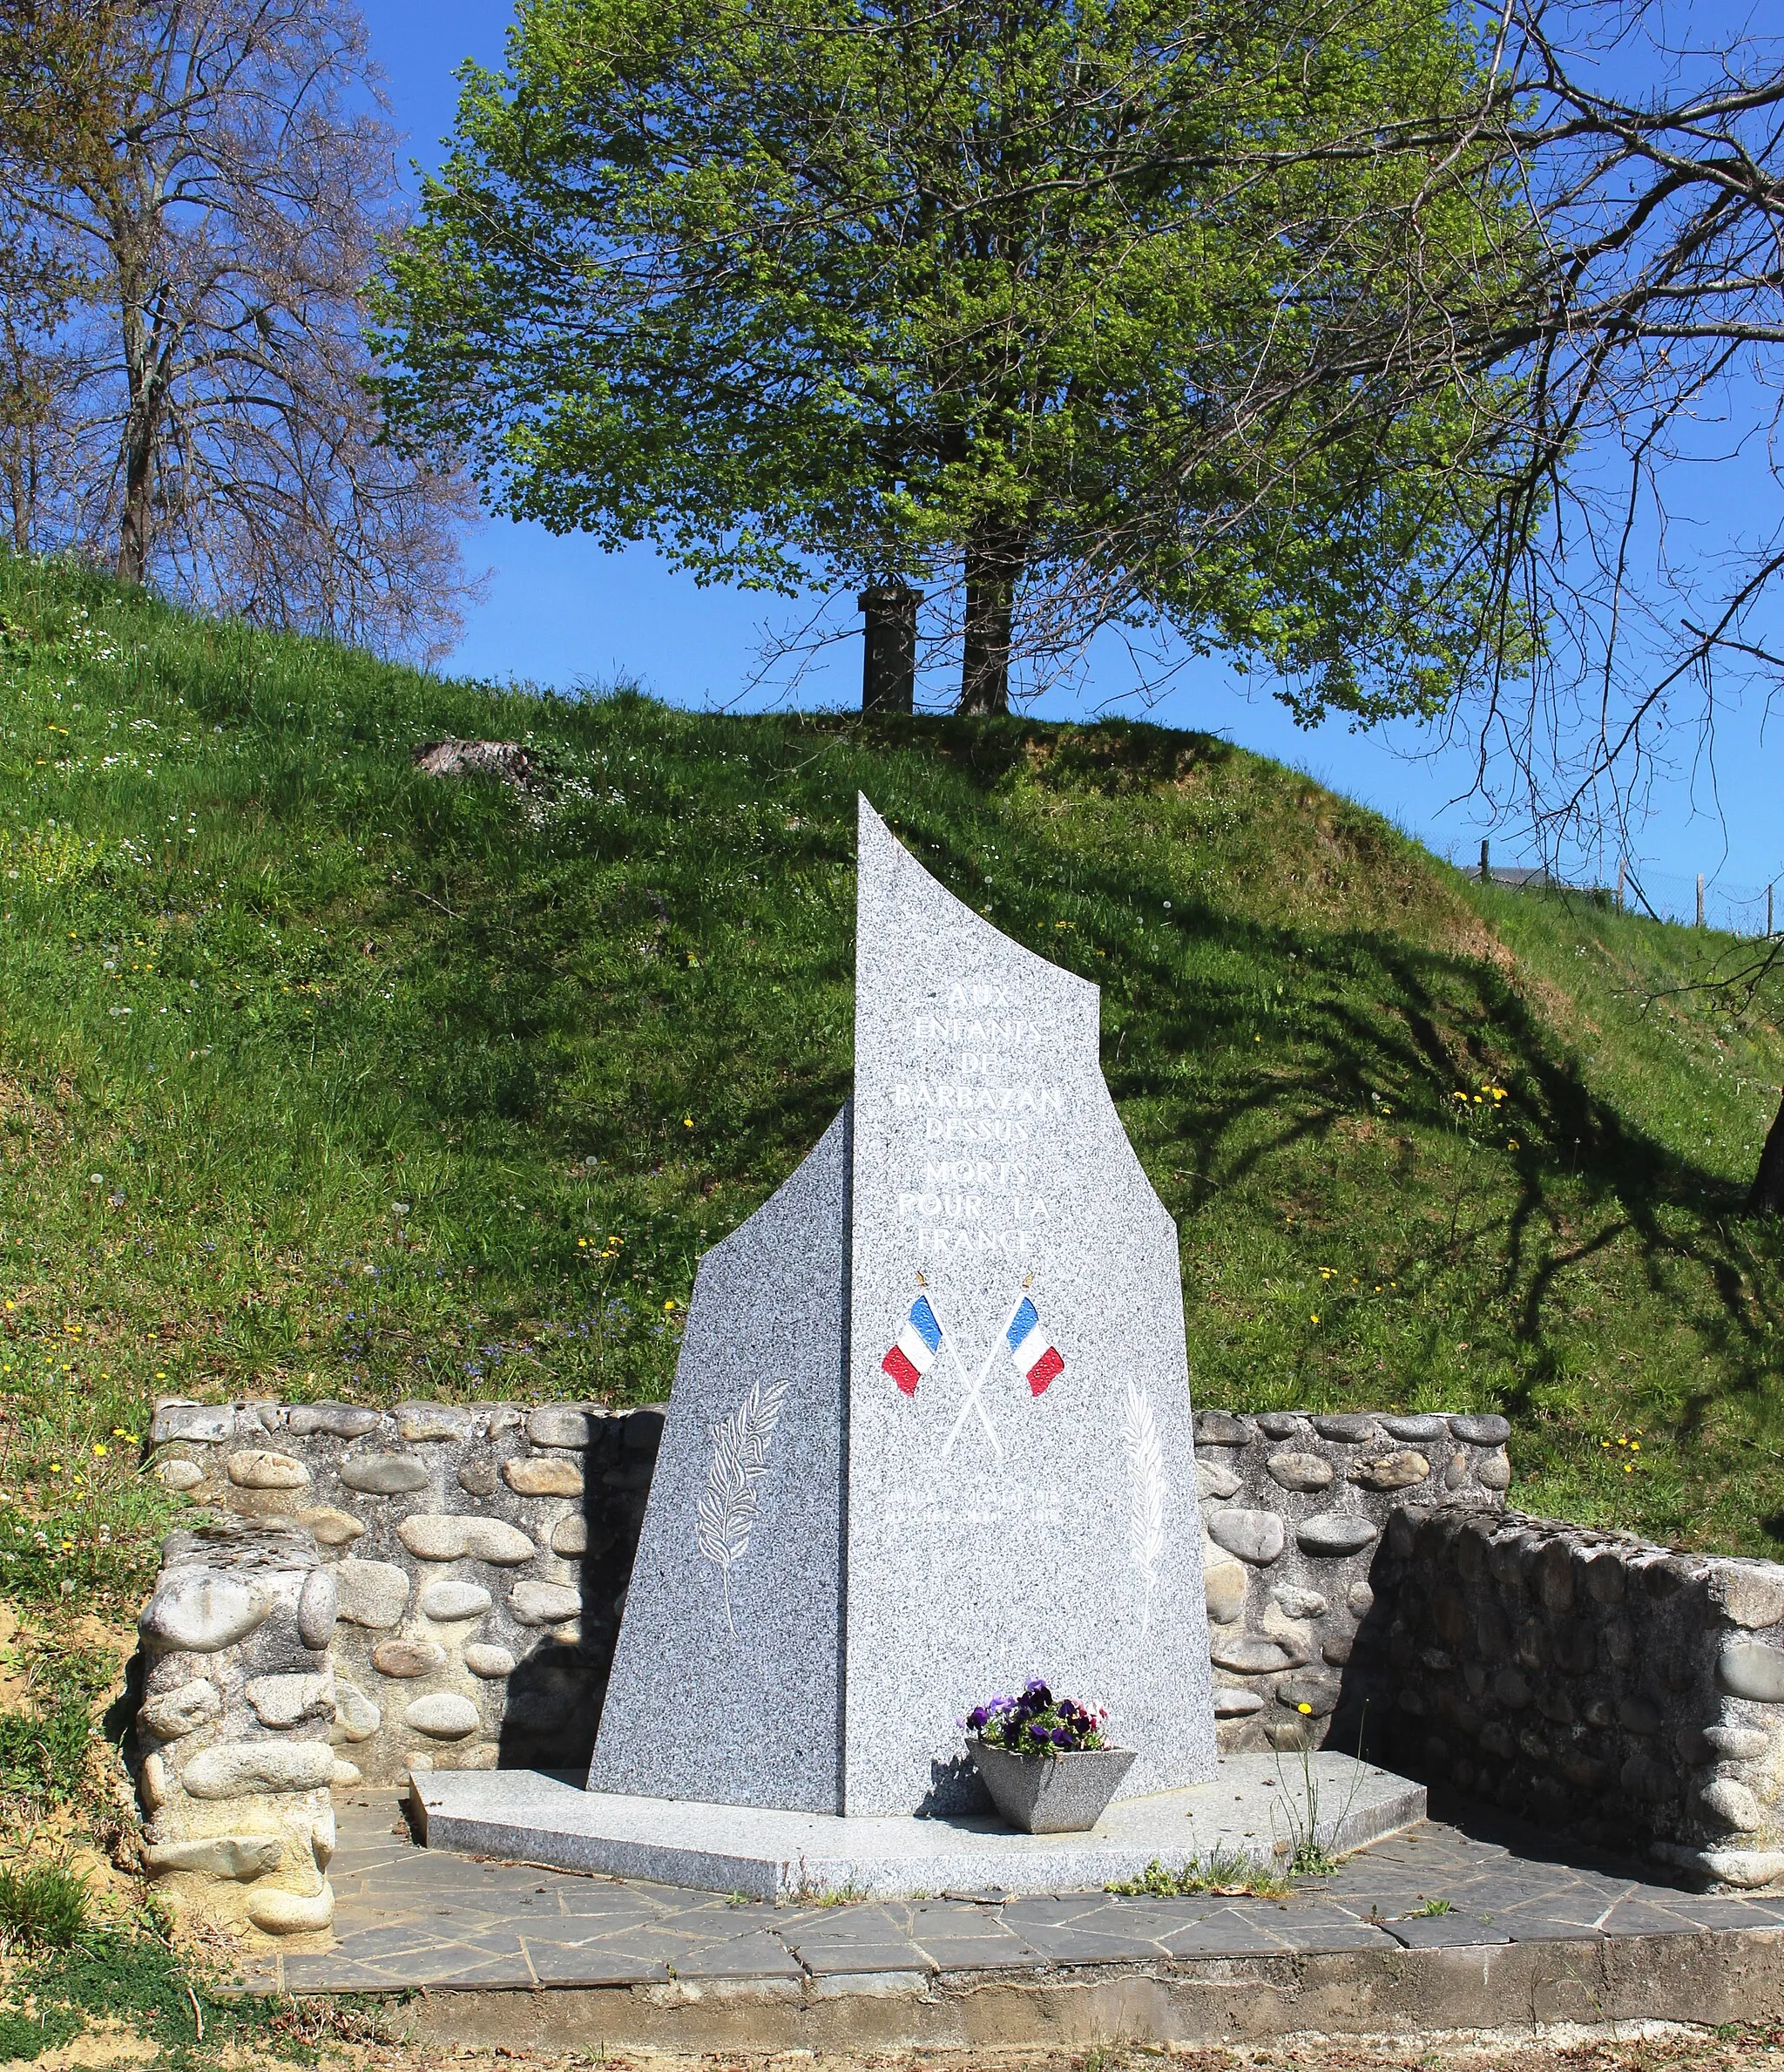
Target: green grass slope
319	1077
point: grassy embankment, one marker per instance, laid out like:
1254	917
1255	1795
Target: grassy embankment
320	1078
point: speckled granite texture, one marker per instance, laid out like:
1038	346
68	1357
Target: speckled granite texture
996	1533
736	1592
857	1553
1255	1807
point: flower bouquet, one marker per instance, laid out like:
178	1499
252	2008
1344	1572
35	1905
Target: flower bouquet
1044	1760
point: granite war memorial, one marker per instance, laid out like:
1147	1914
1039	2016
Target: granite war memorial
931	1435
917	1388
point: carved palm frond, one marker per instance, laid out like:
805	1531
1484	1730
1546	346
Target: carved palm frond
1145	1515
727	1511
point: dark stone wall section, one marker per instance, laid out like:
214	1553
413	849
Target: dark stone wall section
1600	1685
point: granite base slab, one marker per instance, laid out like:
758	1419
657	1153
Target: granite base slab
1256	1805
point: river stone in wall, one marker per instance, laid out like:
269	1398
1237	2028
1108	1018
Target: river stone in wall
235	1763
428	1519
1612	1689
1295	1509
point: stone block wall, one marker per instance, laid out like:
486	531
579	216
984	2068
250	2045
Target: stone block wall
441	1586
1294	1508
1593	1682
479	1555
233	1733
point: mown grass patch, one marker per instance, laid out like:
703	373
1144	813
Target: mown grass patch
322	1077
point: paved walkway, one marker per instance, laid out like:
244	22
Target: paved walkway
407	1917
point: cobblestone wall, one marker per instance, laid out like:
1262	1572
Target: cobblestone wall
232	1734
441	1586
1294	1508
1593	1682
479	1554
474	1559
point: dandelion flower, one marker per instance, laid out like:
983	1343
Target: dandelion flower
687	1121
1314	1318
99	1451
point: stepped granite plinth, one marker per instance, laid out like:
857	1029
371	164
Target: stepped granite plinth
931	1437
1260	1807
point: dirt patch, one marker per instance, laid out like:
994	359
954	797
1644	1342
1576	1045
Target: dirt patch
1654	2048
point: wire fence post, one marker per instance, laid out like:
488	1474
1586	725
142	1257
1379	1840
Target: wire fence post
1768	911
1485	870
1622	866
1699	899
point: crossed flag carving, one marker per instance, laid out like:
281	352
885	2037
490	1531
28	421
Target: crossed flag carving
1030	1351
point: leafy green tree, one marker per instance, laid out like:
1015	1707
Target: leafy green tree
1141	313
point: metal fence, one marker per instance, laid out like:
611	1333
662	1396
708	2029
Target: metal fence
1700	901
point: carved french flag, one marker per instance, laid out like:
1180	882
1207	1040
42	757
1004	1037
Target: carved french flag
1031	1349
914	1353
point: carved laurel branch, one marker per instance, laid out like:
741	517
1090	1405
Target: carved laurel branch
727	1511
1145	1515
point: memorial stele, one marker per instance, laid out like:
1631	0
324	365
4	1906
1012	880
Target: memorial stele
930	1430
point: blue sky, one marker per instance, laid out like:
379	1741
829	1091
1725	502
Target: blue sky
560	611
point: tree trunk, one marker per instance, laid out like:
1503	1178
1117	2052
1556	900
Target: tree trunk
992	566
133	531
142	401
889	648
1767	1196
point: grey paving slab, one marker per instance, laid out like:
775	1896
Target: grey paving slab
1325	1928
1527	1926
591	1964
1234	1931
759	1954
822	1958
982	1953
1644	1916
1714	1910
466	1968
1445	1932
334	1974
404	1918
1083	1942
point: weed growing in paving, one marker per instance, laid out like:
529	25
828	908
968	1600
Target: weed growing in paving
1227	1871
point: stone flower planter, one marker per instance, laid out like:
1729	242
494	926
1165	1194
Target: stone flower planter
1051	1795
